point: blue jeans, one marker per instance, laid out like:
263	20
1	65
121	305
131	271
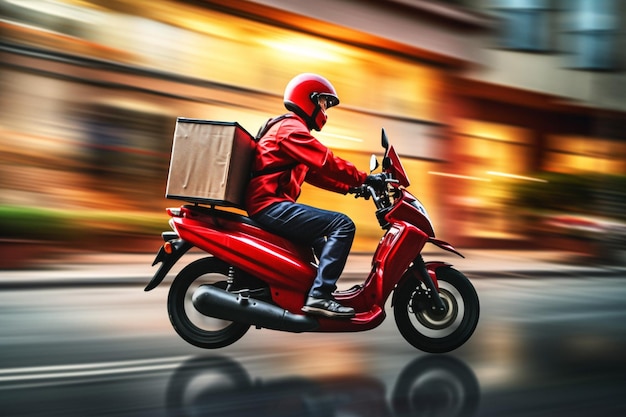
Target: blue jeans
329	233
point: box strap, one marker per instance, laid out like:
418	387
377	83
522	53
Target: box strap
270	122
262	131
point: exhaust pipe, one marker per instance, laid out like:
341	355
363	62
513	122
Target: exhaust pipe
215	302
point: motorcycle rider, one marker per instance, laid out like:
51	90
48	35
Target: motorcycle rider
286	156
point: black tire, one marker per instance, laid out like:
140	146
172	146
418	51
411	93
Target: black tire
432	333
195	328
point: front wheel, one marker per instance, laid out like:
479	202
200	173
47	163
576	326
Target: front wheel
432	331
195	328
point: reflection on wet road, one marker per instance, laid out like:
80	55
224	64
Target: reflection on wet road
438	385
542	348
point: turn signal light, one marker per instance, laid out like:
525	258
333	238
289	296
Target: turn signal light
174	211
168	248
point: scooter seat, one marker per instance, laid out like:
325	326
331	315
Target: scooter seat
223	214
217	215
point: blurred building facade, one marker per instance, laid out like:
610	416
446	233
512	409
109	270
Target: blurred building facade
547	97
471	98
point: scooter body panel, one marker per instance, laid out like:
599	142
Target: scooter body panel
287	268
394	254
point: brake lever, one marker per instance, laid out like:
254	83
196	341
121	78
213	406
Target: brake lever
363	192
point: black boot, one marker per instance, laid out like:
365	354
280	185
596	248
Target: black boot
327	307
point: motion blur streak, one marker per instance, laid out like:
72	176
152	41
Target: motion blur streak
50	373
91	90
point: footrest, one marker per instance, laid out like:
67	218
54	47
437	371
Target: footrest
349	290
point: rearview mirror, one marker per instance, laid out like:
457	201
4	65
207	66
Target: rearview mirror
373	163
384	141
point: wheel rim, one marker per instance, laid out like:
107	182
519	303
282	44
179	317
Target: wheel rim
436	321
190	324
194	318
435	325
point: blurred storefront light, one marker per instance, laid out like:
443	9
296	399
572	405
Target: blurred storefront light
514	176
304	48
56	9
339	137
458	176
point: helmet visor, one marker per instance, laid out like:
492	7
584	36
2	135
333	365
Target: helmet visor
325	100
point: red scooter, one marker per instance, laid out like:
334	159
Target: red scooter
256	278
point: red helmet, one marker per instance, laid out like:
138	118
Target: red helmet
302	96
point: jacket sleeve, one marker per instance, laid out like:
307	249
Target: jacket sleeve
326	183
325	170
336	175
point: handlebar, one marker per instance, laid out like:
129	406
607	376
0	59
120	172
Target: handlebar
379	196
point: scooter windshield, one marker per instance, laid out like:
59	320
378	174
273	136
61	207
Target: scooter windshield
396	168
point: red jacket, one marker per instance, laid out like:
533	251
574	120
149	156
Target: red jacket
286	156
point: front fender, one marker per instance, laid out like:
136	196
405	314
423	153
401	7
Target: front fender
178	248
432	268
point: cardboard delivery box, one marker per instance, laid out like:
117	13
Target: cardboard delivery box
210	162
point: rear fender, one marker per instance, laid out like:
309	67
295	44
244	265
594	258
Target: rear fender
177	248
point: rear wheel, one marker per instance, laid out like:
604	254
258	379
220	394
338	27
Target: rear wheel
432	331
193	327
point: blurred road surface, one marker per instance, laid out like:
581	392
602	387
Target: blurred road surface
545	346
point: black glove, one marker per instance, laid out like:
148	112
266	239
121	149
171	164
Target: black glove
376	180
